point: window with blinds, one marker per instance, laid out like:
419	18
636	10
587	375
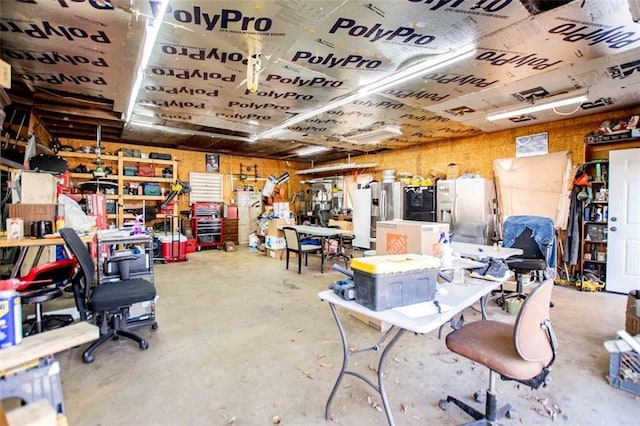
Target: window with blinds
205	187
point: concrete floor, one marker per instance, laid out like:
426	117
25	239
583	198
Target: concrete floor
242	341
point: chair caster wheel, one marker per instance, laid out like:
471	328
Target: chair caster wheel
479	397
144	345
500	301
154	326
88	358
512	414
443	404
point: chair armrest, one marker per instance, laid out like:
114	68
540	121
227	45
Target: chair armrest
122	258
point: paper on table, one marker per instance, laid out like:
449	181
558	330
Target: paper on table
423	309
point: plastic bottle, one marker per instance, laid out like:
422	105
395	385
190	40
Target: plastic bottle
599	214
587	213
10	314
60	217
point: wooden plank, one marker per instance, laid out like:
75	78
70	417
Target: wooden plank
38	413
35	242
50	342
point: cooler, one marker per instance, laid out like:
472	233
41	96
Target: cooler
385	282
173	248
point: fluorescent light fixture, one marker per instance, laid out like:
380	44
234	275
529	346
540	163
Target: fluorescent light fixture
374	135
401	76
634	8
311	150
336	168
151	34
544	104
188	132
417	70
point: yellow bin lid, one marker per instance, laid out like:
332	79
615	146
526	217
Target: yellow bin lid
394	263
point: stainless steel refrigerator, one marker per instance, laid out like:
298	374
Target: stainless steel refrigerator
466	200
377	201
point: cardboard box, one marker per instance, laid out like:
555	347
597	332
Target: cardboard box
281	210
408	236
38	188
374	323
15	229
32	213
274	224
454	171
275	254
275	243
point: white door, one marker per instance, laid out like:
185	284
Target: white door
623	247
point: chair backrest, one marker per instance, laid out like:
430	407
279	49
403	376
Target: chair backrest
84	278
52	272
530	249
470	232
291	238
529	232
321	216
532	334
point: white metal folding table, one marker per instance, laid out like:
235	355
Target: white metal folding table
420	319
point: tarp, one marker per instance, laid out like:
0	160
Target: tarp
538	186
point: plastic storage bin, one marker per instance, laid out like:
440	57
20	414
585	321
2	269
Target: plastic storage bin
385	282
624	366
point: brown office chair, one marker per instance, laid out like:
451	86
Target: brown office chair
523	351
295	245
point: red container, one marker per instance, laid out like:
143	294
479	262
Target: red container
191	245
146	170
173	250
232	212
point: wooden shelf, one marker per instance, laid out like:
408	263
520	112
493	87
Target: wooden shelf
143	197
91	156
89	176
147	179
147	161
117	164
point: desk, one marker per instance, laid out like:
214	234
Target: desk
324	234
457	297
26	243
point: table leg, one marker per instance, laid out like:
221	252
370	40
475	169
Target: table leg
346	354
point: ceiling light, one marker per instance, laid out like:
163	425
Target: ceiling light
544	104
401	76
336	168
634	8
311	150
151	34
374	135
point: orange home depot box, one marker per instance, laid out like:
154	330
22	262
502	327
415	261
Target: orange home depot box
408	236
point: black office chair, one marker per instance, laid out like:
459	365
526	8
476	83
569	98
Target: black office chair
523	352
107	304
527	233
